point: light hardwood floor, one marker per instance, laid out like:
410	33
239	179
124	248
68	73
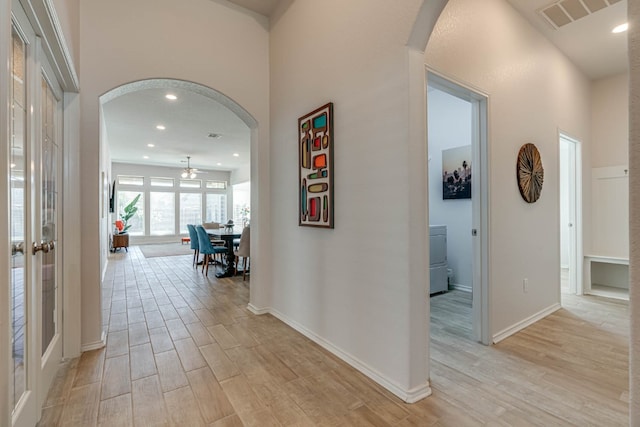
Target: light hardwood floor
183	350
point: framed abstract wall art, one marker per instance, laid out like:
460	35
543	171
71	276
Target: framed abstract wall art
315	159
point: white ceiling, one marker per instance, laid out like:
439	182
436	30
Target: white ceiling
131	119
587	42
263	7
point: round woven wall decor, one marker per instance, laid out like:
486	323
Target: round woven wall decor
530	173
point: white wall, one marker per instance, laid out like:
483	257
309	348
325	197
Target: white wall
350	287
610	158
450	126
610	121
68	12
240	175
199	41
533	92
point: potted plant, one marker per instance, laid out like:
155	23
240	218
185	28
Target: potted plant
128	212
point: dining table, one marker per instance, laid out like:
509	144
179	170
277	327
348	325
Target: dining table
226	234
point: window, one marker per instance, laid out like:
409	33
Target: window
242	203
216	208
161	182
190	210
190	183
130	180
162	213
220	185
137	221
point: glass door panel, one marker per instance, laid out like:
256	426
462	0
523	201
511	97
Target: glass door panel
17	219
49	202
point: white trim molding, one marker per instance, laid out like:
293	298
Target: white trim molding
409	396
257	311
95	345
45	21
506	333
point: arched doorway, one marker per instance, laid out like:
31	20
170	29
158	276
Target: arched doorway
213	103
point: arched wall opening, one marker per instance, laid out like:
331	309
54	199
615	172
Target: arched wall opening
259	276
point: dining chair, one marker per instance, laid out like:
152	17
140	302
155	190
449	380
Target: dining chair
214	226
193	236
243	252
207	248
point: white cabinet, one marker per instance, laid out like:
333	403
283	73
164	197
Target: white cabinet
438	258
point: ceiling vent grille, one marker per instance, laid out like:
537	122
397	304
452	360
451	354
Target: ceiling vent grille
561	13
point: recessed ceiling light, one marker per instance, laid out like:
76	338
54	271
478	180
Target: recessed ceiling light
151	145
219	164
236	155
621	28
171	96
145	157
160	127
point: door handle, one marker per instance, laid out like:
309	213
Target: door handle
17	248
44	247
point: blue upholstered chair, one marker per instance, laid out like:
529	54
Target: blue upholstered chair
207	248
193	236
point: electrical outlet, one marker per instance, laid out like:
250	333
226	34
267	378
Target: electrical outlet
525	285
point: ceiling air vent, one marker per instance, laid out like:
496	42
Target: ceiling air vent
561	13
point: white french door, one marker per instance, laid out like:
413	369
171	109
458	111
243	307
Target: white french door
34	218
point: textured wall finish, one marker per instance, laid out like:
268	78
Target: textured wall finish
634	209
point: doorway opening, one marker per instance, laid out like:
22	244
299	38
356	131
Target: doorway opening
570	214
458	210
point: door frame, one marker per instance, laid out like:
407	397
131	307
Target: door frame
575	191
481	305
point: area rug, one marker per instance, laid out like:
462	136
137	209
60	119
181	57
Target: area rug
165	249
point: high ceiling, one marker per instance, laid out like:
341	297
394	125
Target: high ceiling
131	119
587	41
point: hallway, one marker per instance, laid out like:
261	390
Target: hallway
183	350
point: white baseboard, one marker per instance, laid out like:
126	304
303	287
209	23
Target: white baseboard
95	345
409	396
257	311
524	323
104	270
464	288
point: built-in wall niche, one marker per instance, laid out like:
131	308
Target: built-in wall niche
607	266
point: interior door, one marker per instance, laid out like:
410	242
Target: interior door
22	385
47	230
568	214
36	117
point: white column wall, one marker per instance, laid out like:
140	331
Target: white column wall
534	91
199	41
350	288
